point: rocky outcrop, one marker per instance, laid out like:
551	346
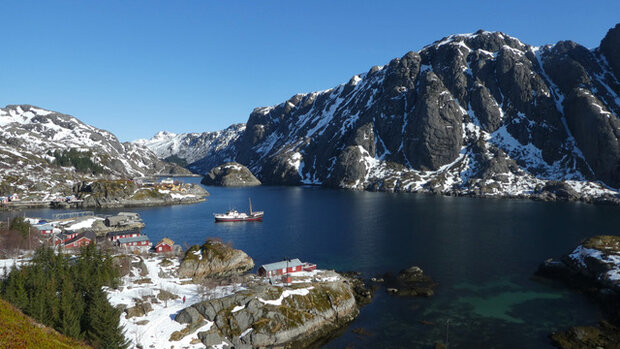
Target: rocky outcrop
593	268
479	114
125	193
271	316
410	282
230	174
605	335
214	259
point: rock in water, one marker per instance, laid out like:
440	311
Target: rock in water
230	174
214	259
410	282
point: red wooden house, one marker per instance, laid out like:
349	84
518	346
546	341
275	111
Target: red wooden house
81	239
280	268
44	229
165	245
115	235
141	240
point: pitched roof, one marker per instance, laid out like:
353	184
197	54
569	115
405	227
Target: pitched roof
166	241
87	234
124	232
282	264
133	239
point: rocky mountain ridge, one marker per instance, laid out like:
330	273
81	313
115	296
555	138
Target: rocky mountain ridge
479	114
29	137
191	147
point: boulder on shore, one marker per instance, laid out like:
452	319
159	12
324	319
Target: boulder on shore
230	174
214	259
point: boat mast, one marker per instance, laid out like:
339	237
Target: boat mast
250	200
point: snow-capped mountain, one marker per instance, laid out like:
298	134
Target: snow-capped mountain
29	136
473	114
191	147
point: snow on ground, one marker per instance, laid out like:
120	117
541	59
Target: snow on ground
82	223
7	264
287	293
611	259
160	326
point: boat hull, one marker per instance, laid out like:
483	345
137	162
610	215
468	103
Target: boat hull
257	219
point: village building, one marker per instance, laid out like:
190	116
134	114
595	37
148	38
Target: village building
115	235
3	200
81	239
167	181
165	245
280	268
116	221
121	219
44	229
138	241
14	197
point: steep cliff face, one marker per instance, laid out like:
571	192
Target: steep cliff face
479	114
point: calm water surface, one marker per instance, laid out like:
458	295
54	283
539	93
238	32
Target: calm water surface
482	252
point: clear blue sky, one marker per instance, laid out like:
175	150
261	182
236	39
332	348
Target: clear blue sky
136	67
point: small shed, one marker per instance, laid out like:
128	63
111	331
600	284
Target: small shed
14	197
141	240
165	245
280	268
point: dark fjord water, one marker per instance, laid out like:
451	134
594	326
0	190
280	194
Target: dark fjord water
482	252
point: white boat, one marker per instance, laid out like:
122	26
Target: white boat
236	216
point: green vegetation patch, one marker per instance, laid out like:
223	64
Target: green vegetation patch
605	243
66	293
18	331
81	161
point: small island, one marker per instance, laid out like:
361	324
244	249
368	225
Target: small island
230	174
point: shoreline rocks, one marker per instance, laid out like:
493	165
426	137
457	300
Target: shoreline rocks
230	174
294	316
593	268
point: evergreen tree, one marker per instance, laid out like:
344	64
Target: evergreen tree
71	308
104	330
14	288
19	224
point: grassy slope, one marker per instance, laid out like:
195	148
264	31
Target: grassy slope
19	331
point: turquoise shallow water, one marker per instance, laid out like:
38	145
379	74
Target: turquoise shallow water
482	252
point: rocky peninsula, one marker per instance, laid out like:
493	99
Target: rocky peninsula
127	193
205	299
593	268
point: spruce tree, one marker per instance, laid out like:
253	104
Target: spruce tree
71	308
104	330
